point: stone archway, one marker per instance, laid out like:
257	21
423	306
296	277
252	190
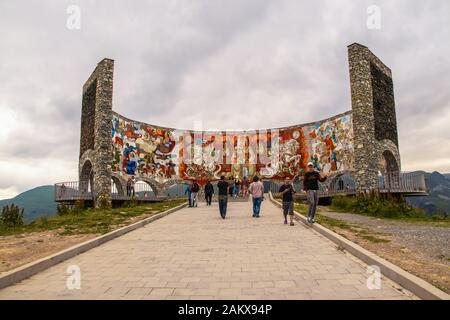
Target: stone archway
389	175
116	186
143	189
388	163
342	182
86	178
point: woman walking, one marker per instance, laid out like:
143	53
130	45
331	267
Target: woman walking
256	189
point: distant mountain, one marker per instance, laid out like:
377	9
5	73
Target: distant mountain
438	199
37	202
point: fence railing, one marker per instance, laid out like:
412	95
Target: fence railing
393	182
407	182
71	191
74	190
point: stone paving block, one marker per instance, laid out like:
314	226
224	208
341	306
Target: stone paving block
236	258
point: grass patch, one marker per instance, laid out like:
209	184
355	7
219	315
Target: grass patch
338	225
389	208
91	221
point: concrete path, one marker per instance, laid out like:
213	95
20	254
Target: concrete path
194	254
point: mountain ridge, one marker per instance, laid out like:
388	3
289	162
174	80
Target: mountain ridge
37	202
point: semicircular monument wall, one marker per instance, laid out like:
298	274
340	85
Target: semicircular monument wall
362	142
165	154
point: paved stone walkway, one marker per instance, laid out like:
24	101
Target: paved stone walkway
194	254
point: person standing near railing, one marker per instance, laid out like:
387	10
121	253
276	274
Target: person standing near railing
129	187
132	184
311	187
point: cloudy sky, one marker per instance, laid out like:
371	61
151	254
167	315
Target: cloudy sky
232	64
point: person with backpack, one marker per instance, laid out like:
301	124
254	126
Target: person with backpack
195	188
287	191
209	191
311	186
223	187
256	189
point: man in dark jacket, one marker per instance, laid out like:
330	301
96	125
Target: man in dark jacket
195	188
311	186
209	191
223	186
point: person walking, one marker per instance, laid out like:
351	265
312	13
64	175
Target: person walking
188	192
237	187
231	187
311	186
209	191
287	191
256	189
194	191
223	187
245	184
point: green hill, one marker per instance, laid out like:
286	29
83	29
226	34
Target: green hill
37	202
438	200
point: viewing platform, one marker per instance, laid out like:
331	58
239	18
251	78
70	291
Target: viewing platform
408	184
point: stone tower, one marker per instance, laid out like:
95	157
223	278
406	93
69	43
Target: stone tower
95	141
374	119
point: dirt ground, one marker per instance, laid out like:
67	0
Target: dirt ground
418	248
17	250
20	249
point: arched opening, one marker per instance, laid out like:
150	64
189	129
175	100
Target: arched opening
342	183
116	187
389	175
144	189
86	178
176	190
388	162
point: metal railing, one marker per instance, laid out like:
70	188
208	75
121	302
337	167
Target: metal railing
403	182
71	191
74	190
394	182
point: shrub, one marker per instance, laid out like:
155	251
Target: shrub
62	209
12	215
377	206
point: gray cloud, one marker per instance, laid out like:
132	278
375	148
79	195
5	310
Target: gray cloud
232	64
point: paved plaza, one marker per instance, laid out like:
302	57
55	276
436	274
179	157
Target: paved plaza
194	254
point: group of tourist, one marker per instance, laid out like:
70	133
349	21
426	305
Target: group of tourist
256	190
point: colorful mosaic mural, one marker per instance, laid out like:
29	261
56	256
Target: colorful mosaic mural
163	154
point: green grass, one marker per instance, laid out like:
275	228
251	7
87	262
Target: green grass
91	221
385	208
336	225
